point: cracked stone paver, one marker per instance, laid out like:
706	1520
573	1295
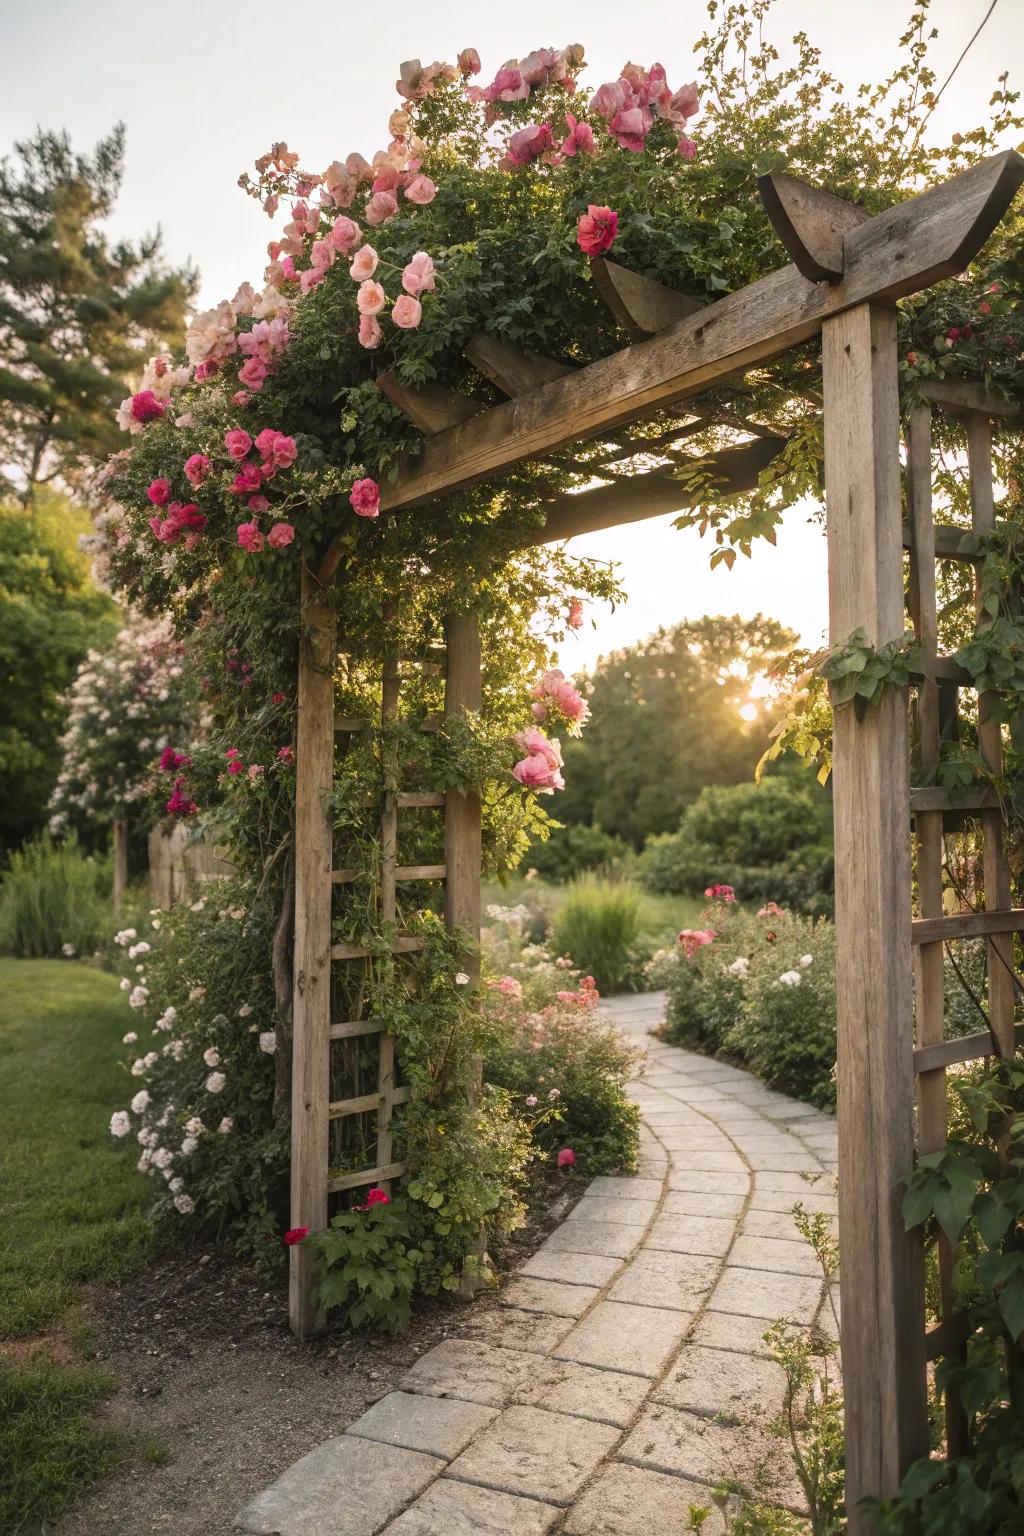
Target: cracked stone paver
623	1371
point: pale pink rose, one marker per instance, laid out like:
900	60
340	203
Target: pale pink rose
237	443
359	168
421	190
386	179
250	538
338	185
323	254
574	618
197	468
308	280
280	535
407	312
580	139
631	127
681	104
399	123
527	145
611	99
370	333
381	207
686	148
365	498
418	275
469	61
363	264
371	298
345	234
241	397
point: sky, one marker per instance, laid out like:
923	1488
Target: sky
204	86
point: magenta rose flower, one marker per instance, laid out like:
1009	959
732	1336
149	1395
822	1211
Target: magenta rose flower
250	538
596	230
237	443
280	535
365	498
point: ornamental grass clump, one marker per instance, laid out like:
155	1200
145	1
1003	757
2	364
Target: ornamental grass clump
54	900
598	927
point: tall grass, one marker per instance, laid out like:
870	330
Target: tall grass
598	924
53	895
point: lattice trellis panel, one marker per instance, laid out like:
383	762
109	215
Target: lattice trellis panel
935	813
346	1086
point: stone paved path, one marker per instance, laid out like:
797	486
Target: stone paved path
625	1373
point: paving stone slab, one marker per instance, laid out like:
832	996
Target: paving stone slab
686	1138
788	1256
726	1182
727	1332
783	1162
625	1188
623	1213
811	1182
570	1268
620	1337
682	1202
440	1427
533	1333
541	1455
670	1440
634	1501
651	1167
532	1295
661	1278
692	1234
470	1370
719	1381
339	1490
602	1237
792	1109
779	1224
783	1200
664	1118
449	1508
565	1386
756	1293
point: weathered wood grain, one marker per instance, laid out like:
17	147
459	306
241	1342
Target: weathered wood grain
640	304
811	223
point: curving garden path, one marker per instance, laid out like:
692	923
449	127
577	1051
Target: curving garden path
624	1375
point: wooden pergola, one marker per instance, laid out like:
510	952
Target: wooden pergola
846	272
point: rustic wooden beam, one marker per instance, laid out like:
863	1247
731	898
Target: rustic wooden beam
513	370
432	407
732	470
638	303
962	397
883	1272
898	252
811	223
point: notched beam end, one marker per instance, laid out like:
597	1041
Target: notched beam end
638	303
811	224
512	369
1004	174
433	408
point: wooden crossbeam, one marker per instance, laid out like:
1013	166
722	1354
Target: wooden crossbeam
638	303
432	407
379	1175
951	1053
963	397
811	223
513	370
978	797
413	799
365	1103
403	945
948	544
895	253
355	1029
966	925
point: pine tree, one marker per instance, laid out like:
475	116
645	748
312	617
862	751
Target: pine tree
79	316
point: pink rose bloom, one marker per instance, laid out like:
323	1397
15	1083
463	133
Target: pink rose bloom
612	98
197	468
580	139
681	105
363	264
596	230
509	85
692	940
686	148
381	207
345	235
250	538
370	333
371	298
407	312
365	498
308	280
285	754
237	443
241	397
247	480
257	504
418	274
527	145
280	535
323	254
631	127
469	61
535	772
146	407
276	449
386	179
566	1158
575	615
158	491
421	190
254	371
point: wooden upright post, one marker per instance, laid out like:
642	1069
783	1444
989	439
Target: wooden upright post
311	1008
462	811
119	861
883	1320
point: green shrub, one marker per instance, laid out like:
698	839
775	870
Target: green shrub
770	841
705	994
598	927
575	850
54	900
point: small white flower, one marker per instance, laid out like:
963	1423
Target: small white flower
461	979
143	1164
140	1103
130	1038
215	1082
176	1185
125	983
805	961
150	1059
138	1067
155	925
237	913
125	937
176	1048
139	997
268	1042
197	906
142	948
226	1126
212	1056
245	1010
189	1145
195	1126
790	978
120	1123
197	994
555	1093
147	1137
67	950
184	1204
740	965
161	1158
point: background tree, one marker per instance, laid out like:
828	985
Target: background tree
51	612
666	722
78	316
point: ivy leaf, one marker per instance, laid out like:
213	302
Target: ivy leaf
992	1217
922	1477
953	1202
1011	1303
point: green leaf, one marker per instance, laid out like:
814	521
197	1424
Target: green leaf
922	1477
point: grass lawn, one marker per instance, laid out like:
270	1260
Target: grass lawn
72	1211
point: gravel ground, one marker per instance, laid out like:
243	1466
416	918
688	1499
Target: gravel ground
208	1369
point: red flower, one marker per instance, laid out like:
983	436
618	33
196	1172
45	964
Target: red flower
296	1235
376	1196
365	498
146	406
566	1157
596	230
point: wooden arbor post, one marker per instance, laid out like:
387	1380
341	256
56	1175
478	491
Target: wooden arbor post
883	1321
